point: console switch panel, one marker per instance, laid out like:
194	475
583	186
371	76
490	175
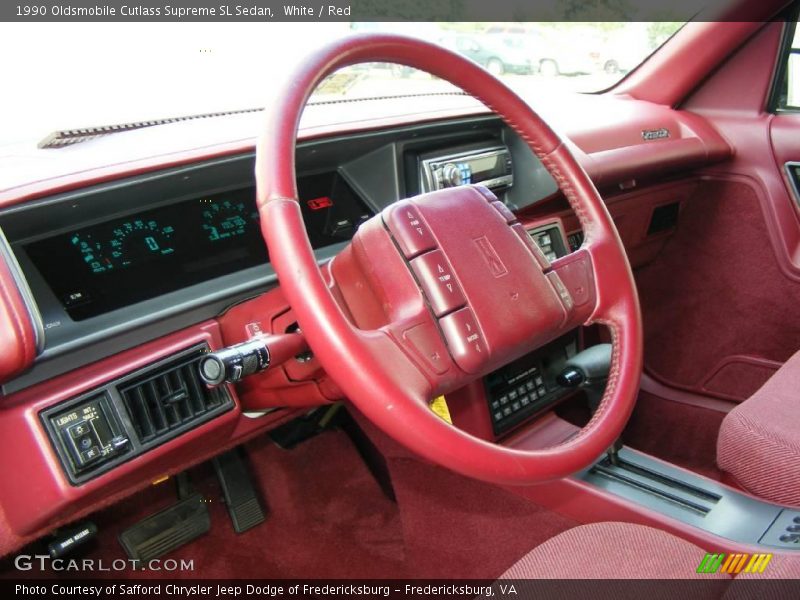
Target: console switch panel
528	386
784	531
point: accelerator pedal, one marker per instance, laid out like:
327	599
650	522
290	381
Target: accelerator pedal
240	494
167	530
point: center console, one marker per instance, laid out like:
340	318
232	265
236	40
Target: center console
694	500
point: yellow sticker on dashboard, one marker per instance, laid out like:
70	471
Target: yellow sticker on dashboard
439	406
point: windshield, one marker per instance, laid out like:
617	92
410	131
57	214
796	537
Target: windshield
68	77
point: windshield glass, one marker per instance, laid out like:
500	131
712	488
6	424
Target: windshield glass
69	77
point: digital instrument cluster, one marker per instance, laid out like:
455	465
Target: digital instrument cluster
117	262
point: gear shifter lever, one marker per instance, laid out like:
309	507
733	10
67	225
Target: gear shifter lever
589	370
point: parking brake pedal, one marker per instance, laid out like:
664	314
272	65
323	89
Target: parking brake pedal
167	530
244	506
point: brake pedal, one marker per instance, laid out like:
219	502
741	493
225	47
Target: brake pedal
167	530
240	494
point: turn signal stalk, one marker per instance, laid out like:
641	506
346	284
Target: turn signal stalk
233	363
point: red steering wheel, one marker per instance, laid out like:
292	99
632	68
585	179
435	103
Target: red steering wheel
445	287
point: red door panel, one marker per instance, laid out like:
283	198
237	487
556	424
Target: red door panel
719	304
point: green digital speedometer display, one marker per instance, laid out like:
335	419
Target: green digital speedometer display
125	259
131	258
127	244
225	219
138	239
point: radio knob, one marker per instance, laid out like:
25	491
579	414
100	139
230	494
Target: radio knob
451	175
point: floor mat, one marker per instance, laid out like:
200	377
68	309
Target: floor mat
326	518
457	527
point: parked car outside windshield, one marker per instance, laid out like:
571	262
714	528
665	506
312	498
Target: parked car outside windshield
497	54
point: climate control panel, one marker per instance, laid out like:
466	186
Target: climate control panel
528	385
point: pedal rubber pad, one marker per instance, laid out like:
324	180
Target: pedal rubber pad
167	530
240	494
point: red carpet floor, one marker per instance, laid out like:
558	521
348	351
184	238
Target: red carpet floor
328	518
457	527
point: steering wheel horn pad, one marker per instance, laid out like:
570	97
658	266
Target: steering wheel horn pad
498	302
391	338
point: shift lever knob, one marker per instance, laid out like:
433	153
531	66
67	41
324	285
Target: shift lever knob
588	370
570	377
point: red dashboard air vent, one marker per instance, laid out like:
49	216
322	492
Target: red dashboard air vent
169	397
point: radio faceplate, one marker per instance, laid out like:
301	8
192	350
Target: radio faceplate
491	167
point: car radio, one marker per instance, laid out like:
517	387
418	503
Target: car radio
488	166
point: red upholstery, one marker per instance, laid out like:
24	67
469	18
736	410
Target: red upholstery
626	551
611	551
759	440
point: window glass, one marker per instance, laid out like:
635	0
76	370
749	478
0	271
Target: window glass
793	72
787	93
191	69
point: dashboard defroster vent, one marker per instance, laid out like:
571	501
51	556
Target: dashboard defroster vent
169	398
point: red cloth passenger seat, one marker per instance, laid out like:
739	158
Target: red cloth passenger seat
759	440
